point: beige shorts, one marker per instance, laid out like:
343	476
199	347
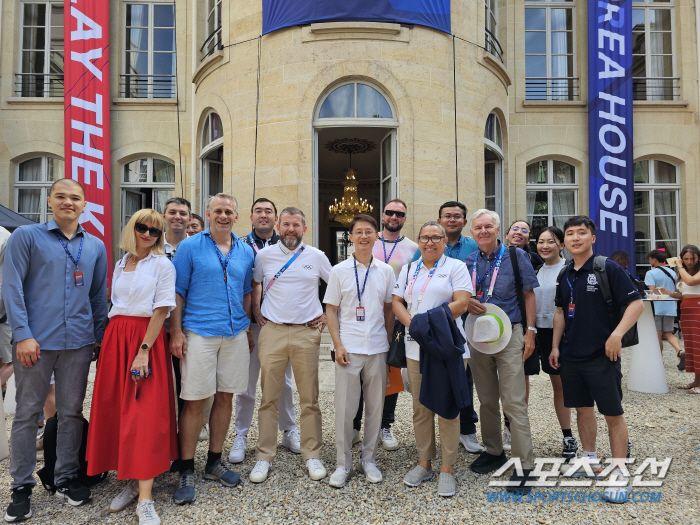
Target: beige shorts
214	364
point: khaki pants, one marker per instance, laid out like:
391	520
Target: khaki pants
373	371
502	376
277	345
424	423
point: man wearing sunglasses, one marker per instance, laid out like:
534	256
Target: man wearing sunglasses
395	250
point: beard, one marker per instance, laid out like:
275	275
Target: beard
290	243
392	228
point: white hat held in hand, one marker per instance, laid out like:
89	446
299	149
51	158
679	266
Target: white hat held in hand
489	332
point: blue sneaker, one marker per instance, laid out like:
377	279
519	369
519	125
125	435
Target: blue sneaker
218	471
185	490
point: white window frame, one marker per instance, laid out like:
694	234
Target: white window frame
491	8
44	185
646	6
149	185
213	9
355	121
651	187
150	75
204	151
498	150
47	50
551	187
548	5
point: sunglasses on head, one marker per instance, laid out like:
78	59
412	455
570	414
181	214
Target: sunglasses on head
142	228
391	213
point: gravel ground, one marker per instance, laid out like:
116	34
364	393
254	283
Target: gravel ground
660	426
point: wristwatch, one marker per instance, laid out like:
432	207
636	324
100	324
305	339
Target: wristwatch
144	346
532	328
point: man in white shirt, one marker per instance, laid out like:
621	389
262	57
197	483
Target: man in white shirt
176	215
358	306
263	216
291	322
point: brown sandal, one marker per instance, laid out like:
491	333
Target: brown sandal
694	390
685	387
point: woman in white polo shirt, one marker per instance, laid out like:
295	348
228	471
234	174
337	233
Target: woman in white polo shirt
428	283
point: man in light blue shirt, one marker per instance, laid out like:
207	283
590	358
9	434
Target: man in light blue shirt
209	331
54	289
661	276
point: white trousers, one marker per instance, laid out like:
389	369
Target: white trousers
245	401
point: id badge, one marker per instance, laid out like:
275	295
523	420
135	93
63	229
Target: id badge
572	308
480	296
360	313
78	278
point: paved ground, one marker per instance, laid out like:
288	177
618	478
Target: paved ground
660	426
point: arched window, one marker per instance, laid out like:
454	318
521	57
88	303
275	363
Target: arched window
212	155
146	183
656	203
552	194
355	100
212	132
493	164
32	182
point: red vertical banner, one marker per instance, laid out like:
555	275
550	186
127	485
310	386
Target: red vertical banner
86	112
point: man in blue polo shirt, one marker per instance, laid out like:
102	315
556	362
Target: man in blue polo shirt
589	355
209	333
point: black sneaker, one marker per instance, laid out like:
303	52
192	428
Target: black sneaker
20	507
486	462
73	493
570	448
521	480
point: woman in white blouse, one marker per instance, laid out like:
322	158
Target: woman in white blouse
133	427
433	280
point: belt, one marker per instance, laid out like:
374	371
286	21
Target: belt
307	325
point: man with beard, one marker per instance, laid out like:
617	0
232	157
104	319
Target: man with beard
291	321
395	250
263	216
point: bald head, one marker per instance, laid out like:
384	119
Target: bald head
70	183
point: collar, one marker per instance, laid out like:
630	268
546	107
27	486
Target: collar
492	255
207	232
440	263
51	225
122	262
373	263
461	241
587	266
401	238
272	240
287	251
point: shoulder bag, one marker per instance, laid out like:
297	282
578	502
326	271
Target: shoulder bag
396	356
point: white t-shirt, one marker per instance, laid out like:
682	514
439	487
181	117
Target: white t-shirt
545	294
151	285
293	298
450	276
397	253
366	337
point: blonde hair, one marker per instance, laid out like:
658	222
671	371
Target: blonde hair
128	238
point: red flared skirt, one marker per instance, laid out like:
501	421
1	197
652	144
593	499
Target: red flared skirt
690	326
137	438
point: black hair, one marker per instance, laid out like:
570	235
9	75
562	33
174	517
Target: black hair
620	255
263	199
178	200
67	182
363	218
197	217
659	255
527	244
690	248
556	232
453	204
580	220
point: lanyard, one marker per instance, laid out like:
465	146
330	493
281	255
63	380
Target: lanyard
252	243
425	284
357	281
475	274
386	259
80	250
284	268
224	262
450	248
571	286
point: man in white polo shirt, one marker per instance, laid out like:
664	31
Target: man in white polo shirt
358	305
291	325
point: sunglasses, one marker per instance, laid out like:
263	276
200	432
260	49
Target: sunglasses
142	228
391	213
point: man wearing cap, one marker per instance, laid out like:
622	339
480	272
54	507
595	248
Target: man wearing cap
501	374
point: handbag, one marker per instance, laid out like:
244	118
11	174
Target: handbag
396	356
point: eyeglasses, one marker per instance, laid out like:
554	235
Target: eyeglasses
424	239
142	228
449	217
365	233
516	229
391	213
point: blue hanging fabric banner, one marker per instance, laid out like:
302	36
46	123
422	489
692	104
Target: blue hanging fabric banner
611	162
285	13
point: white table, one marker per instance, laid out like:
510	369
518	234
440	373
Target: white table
647	373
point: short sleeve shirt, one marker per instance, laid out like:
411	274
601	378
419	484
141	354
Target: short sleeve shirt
366	337
395	253
586	333
151	285
659	278
451	276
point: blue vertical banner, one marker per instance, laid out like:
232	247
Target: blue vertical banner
611	162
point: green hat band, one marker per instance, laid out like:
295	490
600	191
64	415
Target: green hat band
500	327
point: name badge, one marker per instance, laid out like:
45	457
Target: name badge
360	313
480	296
572	308
78	278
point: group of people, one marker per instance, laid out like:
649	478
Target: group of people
217	312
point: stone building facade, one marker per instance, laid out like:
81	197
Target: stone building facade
495	115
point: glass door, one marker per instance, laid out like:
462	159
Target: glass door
388	169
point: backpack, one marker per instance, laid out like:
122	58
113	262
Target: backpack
46	474
631	337
518	286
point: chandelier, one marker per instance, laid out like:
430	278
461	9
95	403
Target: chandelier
350	204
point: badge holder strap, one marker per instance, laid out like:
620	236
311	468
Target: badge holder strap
285	267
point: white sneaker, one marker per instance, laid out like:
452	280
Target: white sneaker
355	437
147	514
470	443
259	472
291	441
204	433
506	439
389	442
125	497
372	473
339	477
316	469
240	445
618	494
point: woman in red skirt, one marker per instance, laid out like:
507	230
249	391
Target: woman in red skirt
132	427
689	291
